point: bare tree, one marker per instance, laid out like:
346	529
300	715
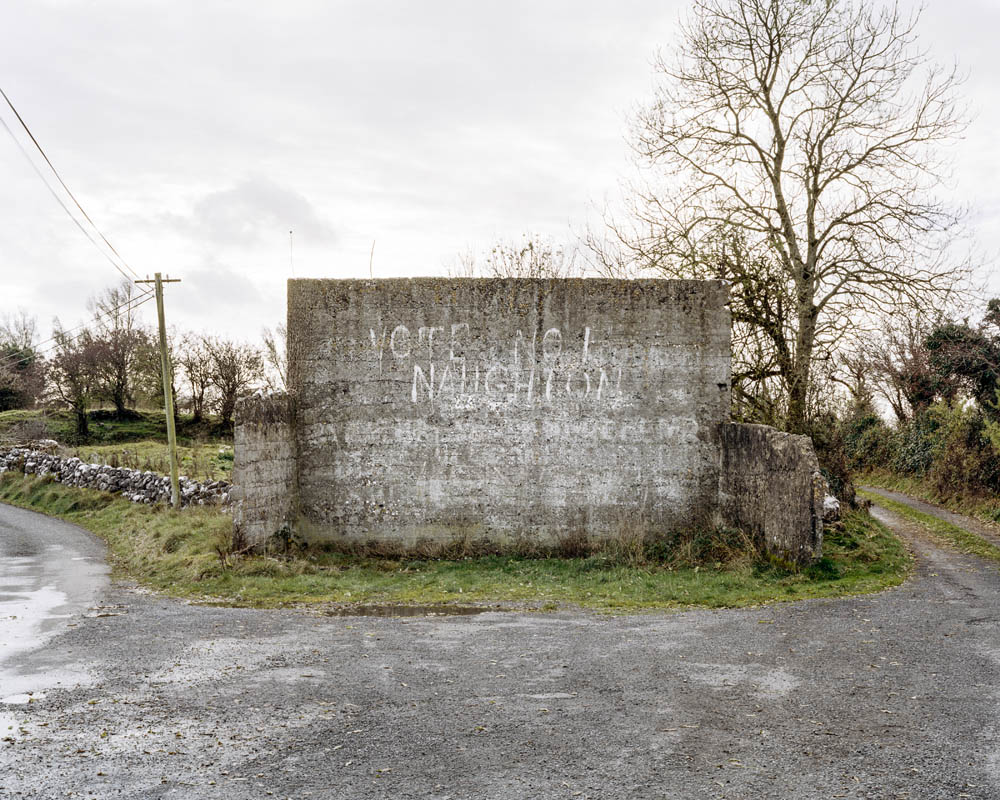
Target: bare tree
22	370
533	256
276	357
19	330
802	139
463	265
128	346
195	360
74	372
236	369
898	364
857	378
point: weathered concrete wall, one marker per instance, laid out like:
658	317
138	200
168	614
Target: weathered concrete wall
264	467
432	409
771	486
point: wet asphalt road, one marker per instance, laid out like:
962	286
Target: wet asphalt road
50	573
887	696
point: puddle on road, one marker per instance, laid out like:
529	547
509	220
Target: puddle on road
23	699
39	595
28	617
10	726
408	611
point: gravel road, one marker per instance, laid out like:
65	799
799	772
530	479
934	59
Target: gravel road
886	696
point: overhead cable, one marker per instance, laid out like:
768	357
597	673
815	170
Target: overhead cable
61	203
63	183
37	351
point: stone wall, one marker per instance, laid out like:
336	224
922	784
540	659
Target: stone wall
134	485
435	409
263	468
771	487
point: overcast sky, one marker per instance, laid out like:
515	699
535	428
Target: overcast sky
197	133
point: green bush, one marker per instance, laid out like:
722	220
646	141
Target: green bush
949	447
914	445
832	453
965	461
868	442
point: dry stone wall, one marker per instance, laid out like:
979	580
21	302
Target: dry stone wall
133	484
431	409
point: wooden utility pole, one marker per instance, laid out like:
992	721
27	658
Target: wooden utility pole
168	394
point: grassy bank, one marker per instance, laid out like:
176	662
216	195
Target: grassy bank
203	461
986	508
106	429
959	538
178	552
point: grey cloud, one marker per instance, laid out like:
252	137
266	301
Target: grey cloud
68	294
424	126
252	211
219	297
220	288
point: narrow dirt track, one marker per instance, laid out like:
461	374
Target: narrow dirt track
989	532
894	695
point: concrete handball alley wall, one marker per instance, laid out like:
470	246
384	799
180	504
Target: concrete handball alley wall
431	409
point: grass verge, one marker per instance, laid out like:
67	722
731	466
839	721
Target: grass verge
962	540
178	552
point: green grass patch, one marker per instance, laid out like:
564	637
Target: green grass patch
962	540
986	508
106	429
199	460
178	552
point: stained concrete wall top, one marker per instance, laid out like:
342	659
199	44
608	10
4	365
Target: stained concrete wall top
435	408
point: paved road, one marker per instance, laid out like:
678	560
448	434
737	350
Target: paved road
886	696
50	572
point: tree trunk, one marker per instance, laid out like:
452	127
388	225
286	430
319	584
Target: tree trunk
226	409
121	410
82	428
177	406
799	380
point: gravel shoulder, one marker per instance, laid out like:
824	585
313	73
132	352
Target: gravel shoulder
882	696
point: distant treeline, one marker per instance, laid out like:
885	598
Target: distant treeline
115	360
942	385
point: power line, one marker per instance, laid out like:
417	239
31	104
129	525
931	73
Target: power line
62	204
132	303
63	184
76	337
37	351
